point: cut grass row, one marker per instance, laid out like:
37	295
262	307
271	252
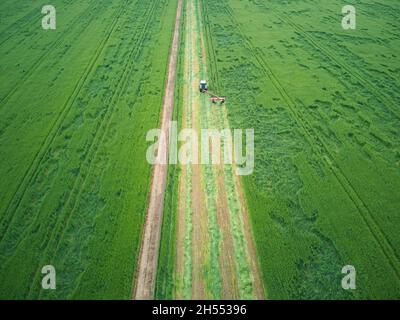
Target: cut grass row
218	119
212	268
185	288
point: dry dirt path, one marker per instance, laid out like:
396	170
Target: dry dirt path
145	279
215	256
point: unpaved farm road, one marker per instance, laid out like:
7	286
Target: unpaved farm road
144	282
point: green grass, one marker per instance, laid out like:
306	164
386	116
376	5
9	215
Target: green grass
76	103
323	105
74	113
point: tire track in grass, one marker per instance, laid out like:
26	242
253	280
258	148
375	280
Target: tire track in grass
325	155
32	172
363	209
62	226
53	230
385	99
17	25
54	45
101	134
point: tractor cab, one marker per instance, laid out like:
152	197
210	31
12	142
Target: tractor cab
203	86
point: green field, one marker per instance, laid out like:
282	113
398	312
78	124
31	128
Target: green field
76	104
324	105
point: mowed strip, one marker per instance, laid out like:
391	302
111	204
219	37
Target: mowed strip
249	284
192	214
147	267
212	215
192	211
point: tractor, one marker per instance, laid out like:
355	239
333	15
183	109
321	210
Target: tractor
203	87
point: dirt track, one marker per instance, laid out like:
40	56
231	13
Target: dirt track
145	279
